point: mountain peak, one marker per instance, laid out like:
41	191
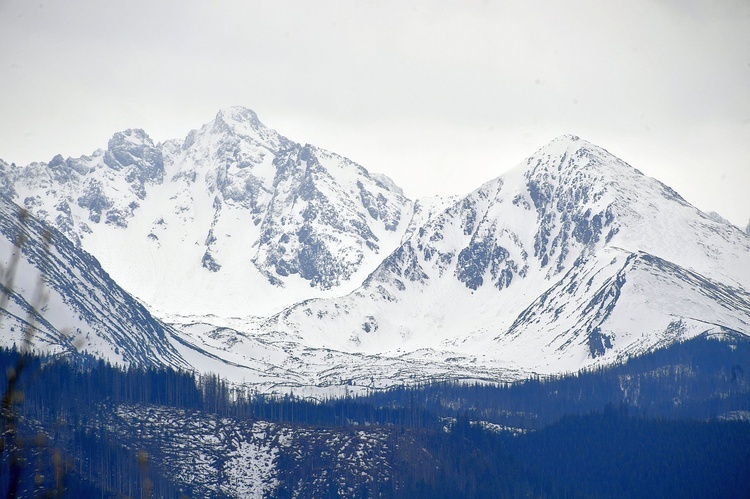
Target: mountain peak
243	122
570	154
132	147
566	137
132	136
237	114
567	143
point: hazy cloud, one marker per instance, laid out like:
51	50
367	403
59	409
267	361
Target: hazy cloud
440	95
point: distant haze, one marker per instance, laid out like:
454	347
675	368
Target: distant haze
439	95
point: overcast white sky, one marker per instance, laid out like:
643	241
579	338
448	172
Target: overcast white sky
439	95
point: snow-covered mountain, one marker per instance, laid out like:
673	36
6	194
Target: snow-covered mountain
572	258
56	298
287	265
233	220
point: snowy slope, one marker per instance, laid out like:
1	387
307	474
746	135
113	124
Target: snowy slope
284	265
57	299
233	220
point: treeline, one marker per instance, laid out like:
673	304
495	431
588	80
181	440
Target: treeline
56	407
55	402
48	446
55	389
698	379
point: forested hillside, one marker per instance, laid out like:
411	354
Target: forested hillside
91	429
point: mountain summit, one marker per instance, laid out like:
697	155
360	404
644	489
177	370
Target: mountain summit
235	219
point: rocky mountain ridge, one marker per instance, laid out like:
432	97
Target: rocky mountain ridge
284	265
572	259
234	203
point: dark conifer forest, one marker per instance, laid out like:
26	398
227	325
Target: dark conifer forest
673	423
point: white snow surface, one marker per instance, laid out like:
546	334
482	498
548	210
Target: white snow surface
290	267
